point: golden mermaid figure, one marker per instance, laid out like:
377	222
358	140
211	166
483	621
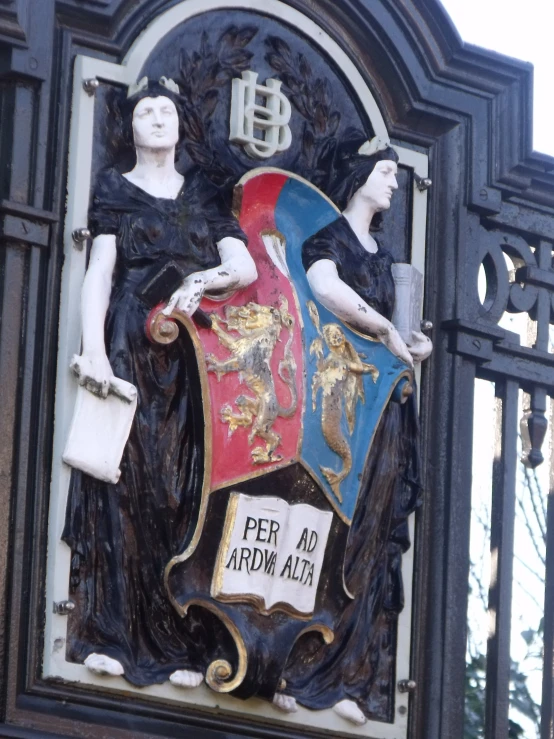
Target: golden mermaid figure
339	377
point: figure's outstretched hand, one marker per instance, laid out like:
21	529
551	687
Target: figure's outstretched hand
420	347
187	297
94	372
392	340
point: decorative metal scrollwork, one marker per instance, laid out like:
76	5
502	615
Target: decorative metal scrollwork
526	287
504	290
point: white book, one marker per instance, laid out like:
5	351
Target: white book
99	430
271	553
408	304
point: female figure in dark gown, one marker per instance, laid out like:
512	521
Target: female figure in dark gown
123	535
350	273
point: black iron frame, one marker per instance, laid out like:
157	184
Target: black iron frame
471	110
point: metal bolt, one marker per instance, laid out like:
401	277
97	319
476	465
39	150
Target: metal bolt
64	607
80	235
407	686
166	328
407	390
483	194
90	86
422	183
222	671
426	326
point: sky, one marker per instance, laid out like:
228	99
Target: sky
519	29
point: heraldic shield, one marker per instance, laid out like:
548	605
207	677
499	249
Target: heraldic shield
292	398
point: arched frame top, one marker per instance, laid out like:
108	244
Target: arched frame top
150	37
79	181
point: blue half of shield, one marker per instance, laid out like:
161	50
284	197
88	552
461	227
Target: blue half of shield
349	379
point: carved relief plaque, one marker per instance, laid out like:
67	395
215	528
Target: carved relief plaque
252	540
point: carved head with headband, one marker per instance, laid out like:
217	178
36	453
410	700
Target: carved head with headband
355	160
145	88
149	86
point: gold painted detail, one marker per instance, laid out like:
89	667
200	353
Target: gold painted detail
164	329
257	330
219	675
339	377
225	542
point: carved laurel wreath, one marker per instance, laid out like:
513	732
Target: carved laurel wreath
203	74
313	98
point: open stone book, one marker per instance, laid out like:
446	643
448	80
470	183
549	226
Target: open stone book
271	552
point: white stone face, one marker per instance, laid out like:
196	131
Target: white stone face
380	186
155	123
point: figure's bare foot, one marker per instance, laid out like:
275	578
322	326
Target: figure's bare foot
349	710
186	678
285	703
102	665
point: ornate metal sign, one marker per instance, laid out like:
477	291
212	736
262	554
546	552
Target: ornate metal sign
239	513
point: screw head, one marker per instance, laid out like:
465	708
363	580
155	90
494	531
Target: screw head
166	328
222	671
64	607
91	85
80	235
423	183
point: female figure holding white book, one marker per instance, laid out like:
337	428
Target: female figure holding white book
123	535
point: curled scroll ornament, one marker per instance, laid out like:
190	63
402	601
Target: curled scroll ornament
522	287
503	291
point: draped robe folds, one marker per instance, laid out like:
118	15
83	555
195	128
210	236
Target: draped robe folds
359	664
122	536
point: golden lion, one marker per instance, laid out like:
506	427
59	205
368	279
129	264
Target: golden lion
259	328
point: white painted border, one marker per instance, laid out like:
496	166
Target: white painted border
80	161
